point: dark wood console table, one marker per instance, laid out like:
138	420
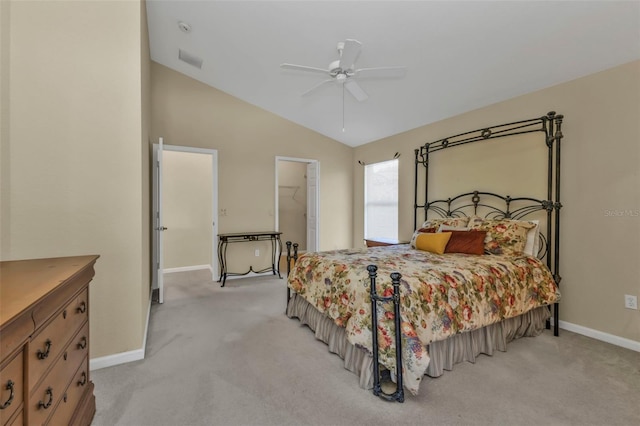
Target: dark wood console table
240	237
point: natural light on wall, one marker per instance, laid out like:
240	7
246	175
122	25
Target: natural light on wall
381	200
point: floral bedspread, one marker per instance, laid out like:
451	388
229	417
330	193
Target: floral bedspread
441	295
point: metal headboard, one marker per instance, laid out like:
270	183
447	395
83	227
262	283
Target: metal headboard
550	125
494	206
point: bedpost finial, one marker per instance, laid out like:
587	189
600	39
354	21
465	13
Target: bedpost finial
372	270
395	278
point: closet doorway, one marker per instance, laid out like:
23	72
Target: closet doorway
185	197
297	195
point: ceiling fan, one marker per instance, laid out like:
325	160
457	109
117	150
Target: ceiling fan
343	71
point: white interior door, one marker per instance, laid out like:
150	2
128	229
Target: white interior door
160	240
158	227
312	206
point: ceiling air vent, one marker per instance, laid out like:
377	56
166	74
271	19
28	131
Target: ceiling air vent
190	59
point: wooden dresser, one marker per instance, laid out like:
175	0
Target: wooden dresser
44	342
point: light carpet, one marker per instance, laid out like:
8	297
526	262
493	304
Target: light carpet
229	356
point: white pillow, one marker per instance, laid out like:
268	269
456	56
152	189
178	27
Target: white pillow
532	246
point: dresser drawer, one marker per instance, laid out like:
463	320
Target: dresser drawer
72	396
46	308
18	420
52	340
11	387
15	335
50	392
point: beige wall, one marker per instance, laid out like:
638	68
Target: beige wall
292	202
188	113
145	153
187	200
78	176
600	176
5	125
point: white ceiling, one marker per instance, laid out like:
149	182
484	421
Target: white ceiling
460	55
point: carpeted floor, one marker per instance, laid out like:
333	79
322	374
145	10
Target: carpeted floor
229	356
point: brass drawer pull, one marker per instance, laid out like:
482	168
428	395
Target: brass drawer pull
82	308
7	403
83	343
47	347
84	379
46	405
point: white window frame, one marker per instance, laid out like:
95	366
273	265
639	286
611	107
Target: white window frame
367	232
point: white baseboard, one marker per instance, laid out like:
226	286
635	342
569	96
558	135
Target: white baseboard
186	268
123	357
115	359
600	335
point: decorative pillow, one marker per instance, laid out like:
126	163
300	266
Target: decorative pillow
468	242
421	231
446	228
434	243
504	236
457	222
532	246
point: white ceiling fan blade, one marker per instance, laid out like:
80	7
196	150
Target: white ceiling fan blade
381	72
356	91
317	85
303	68
350	53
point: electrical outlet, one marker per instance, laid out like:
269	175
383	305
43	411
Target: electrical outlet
257	252
630	302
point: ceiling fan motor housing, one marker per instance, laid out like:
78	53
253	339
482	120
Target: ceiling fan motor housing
336	71
334	68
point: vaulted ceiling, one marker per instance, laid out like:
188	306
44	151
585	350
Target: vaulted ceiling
460	55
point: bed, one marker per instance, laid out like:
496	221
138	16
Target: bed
481	270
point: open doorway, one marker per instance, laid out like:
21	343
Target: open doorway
297	194
185	208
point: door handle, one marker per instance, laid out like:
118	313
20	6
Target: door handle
162	228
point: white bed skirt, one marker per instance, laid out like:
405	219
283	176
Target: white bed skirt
444	354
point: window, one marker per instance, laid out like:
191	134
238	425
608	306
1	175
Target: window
381	200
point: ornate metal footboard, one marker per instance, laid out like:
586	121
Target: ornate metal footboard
289	258
378	379
398	395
